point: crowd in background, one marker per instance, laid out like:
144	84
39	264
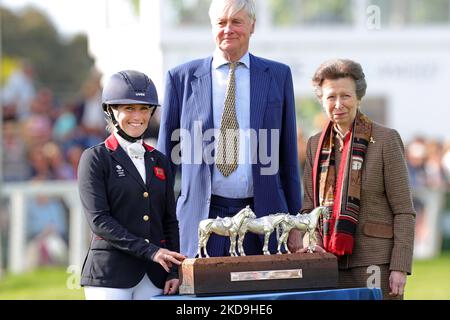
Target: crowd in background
43	141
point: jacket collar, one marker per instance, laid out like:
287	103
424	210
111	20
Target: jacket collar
112	144
204	69
218	60
122	158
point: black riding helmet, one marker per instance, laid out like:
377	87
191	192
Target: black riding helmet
128	87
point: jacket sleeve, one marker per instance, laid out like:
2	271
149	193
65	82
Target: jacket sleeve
308	196
170	121
289	163
398	192
94	199
170	222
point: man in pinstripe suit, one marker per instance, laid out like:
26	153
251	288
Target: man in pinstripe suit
198	102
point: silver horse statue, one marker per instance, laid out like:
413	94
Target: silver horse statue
264	225
228	226
304	222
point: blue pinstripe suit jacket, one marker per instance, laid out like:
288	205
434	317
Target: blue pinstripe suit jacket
188	101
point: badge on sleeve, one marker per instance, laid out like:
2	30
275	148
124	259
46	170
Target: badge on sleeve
159	173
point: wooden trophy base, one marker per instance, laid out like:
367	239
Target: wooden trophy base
234	275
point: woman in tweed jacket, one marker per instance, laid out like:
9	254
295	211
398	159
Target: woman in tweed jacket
357	168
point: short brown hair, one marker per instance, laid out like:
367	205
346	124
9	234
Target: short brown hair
340	68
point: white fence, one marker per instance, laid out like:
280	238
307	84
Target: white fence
18	193
427	246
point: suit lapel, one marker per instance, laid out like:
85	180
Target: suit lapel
259	90
150	162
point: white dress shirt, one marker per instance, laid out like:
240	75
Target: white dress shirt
135	153
239	184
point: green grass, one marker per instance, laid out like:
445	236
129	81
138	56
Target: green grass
42	284
430	280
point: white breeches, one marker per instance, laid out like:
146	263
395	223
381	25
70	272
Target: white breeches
144	290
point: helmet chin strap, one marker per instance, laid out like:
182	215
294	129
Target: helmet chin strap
127	137
120	131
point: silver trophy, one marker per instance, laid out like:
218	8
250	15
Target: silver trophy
245	221
236	227
228	226
264	226
307	222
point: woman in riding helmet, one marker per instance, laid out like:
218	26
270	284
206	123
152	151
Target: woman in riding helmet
126	189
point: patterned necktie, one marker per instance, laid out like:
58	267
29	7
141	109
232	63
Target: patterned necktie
228	144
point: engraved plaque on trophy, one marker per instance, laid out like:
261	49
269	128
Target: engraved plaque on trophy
228	275
238	274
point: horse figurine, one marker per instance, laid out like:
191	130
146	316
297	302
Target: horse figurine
304	222
264	225
228	226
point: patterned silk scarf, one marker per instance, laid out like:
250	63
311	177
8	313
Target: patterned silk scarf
341	194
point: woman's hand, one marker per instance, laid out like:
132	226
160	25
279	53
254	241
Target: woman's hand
397	282
166	257
316	248
171	286
295	240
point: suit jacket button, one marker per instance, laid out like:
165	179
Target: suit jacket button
146	218
145	194
146	240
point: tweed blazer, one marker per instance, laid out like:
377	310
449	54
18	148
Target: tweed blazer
385	231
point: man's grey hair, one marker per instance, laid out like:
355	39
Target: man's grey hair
218	7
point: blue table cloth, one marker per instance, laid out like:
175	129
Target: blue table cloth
333	294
